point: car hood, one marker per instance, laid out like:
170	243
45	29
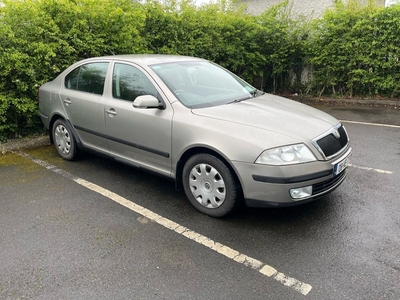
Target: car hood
274	114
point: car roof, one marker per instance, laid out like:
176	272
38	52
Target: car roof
147	59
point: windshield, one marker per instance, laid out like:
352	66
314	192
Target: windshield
203	84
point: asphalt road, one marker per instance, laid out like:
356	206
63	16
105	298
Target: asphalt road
65	235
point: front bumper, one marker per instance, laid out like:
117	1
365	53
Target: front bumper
265	185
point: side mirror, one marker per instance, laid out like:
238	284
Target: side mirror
146	101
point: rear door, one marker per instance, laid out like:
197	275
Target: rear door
139	136
83	98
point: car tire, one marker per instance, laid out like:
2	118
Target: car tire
209	185
64	140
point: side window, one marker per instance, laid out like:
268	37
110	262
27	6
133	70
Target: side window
129	83
71	80
88	78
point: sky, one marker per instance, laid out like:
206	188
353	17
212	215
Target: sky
387	2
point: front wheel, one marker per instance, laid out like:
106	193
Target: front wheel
64	140
209	185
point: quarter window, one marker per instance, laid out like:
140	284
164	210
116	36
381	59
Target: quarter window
129	83
88	78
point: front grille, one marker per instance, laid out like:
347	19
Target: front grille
330	145
328	184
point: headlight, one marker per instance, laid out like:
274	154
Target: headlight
287	155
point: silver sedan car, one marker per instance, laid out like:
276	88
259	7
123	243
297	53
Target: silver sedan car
221	140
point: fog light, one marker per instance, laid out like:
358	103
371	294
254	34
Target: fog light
300	193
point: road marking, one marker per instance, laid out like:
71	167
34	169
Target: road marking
226	251
371	169
371	124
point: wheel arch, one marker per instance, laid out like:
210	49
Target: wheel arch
56	117
197	150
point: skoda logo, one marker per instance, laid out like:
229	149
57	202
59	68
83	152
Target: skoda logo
336	133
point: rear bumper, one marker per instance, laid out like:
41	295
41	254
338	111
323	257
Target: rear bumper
45	119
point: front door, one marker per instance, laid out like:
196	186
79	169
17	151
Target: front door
139	136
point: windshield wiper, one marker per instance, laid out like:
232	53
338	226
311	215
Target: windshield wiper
240	99
254	93
257	93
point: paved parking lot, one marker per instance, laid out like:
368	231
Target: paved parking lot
96	229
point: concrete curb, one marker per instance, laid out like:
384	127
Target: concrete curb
16	145
369	102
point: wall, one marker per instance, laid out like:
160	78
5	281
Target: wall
310	8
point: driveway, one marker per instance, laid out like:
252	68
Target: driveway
96	229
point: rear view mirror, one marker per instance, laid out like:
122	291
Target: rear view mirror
146	101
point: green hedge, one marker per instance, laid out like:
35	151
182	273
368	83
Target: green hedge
40	38
353	50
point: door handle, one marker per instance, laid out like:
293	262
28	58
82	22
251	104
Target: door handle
111	112
67	101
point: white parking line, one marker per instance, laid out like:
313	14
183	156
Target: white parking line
371	169
226	251
371	124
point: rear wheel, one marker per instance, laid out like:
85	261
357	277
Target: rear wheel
209	185
64	140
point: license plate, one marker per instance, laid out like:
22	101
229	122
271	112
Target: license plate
341	166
